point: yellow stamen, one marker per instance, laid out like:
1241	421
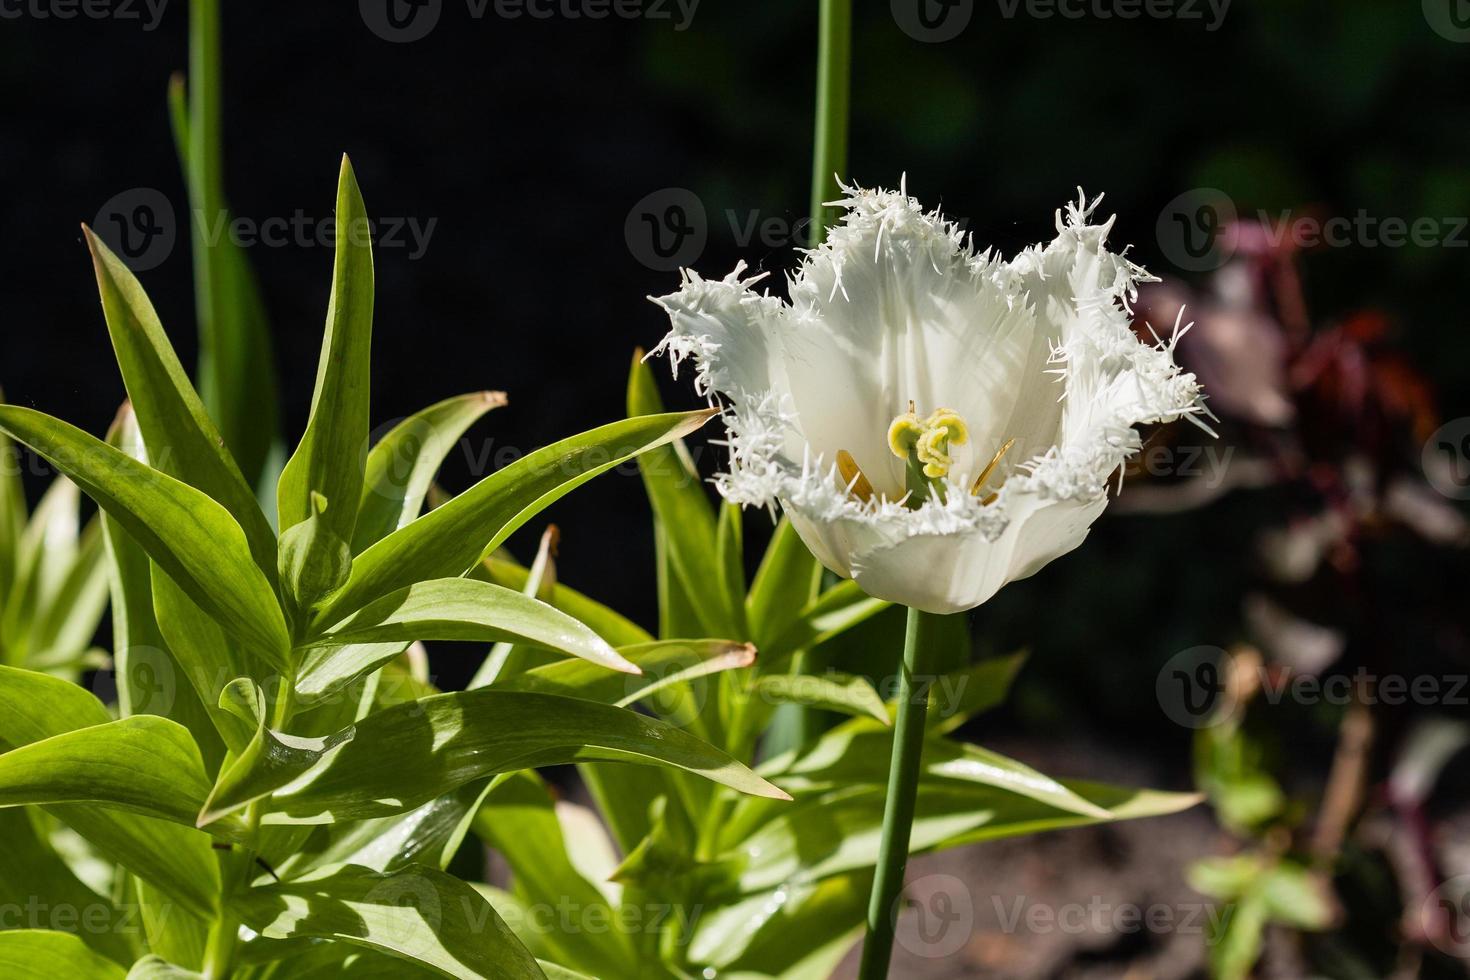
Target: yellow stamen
928	440
852	477
989	469
903	433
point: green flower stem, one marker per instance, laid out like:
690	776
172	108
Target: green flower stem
904	768
834	72
206	184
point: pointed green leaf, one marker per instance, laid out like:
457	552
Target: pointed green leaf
450	540
962	696
12	513
837	832
29	866
314	561
331	455
832	691
786	583
402	757
149	678
158	968
418	914
40	954
181	439
401	467
190	536
607	623
663	663
519	821
838	610
34	707
145	764
445	609
682	509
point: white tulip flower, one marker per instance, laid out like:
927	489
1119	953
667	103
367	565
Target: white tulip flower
936	422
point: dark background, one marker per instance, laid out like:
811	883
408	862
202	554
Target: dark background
529	141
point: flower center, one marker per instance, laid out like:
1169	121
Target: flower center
923	445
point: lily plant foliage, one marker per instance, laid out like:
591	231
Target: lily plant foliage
935	421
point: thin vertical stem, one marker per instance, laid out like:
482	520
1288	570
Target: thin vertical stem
206	194
834	72
915	679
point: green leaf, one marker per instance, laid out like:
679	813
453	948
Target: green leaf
663	663
858	752
428	835
519	822
40	954
813	925
182	440
45	553
35	707
172	931
190	536
314	561
418	914
682	509
331	455
205	655
730	552
956	698
505	659
833	691
402	757
838	610
450	540
147	674
401	467
29	866
445	609
67	620
158	968
786	583
12	513
145	764
612	626
236	370
837	832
